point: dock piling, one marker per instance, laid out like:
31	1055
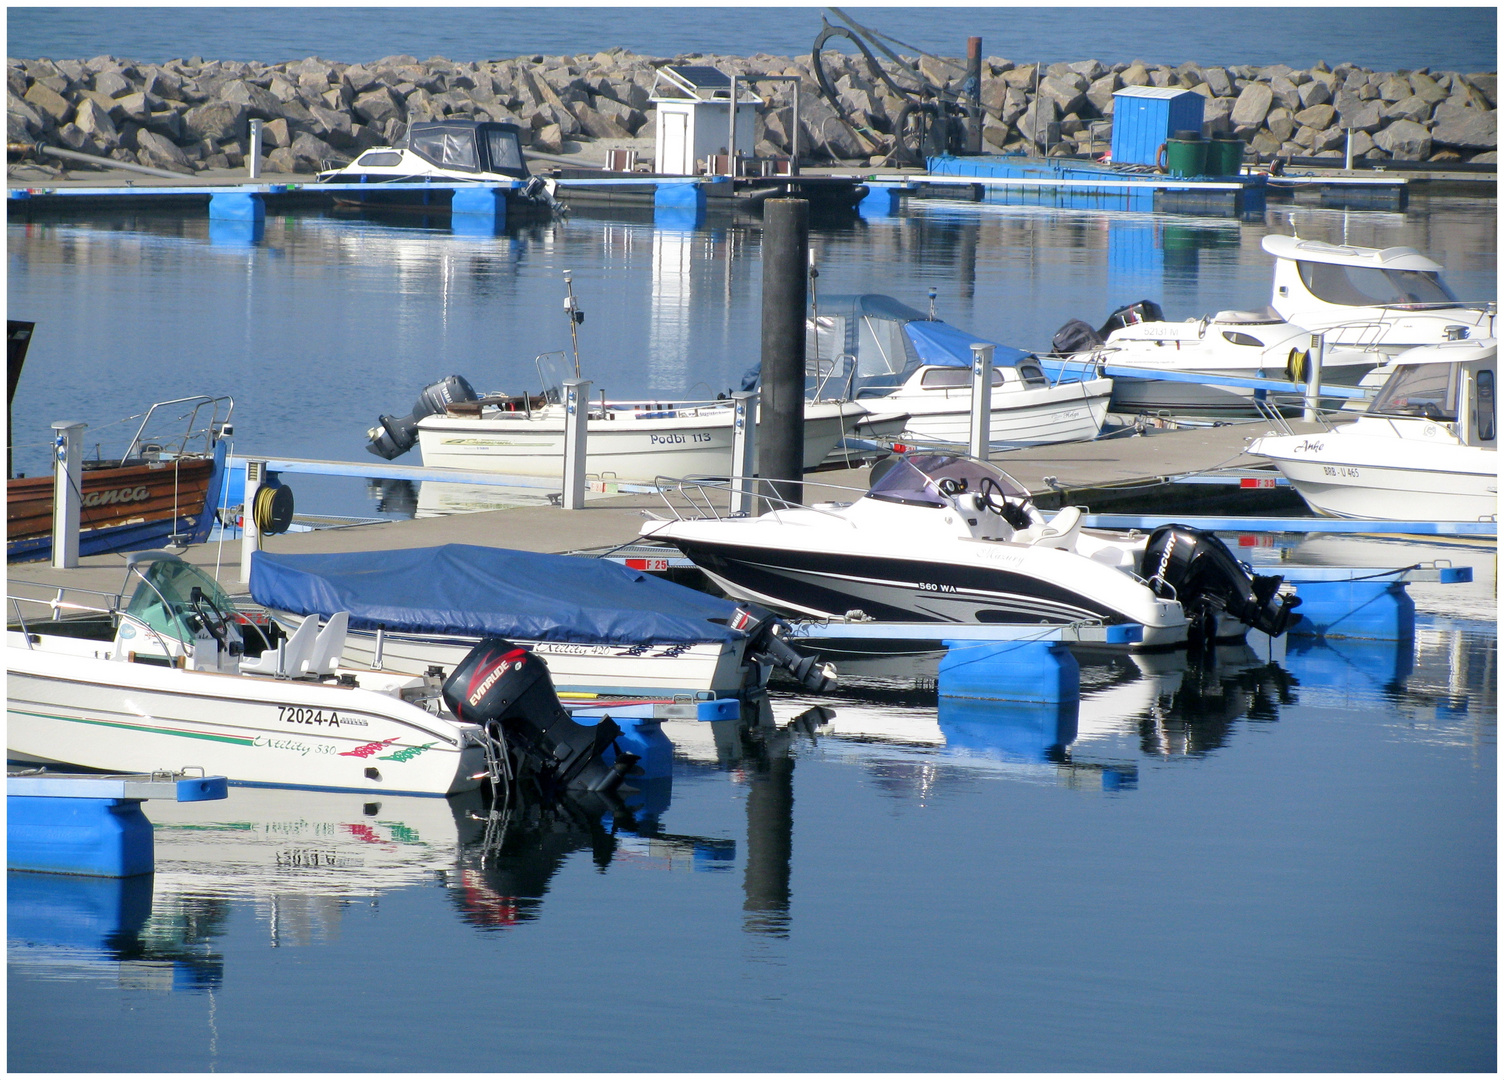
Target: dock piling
576	414
253	151
981	400
67	491
785	298
744	453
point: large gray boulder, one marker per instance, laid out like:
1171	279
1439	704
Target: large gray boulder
1252	106
377	106
160	152
49	103
1472	129
216	121
1404	140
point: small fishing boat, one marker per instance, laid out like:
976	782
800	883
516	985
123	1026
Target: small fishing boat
176	675
163	489
443	153
1425	449
947	538
1229	344
601	627
893	359
1386	300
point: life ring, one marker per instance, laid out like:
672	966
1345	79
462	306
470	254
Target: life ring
1161	157
1298	364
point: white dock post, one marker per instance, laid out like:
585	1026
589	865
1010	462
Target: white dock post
250	535
1313	378
67	491
744	452
576	416
253	152
981	400
731	137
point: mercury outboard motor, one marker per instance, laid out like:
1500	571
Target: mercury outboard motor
766	643
1075	336
392	437
503	683
1196	568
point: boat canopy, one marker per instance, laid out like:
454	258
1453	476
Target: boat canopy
472	591
477	146
868	343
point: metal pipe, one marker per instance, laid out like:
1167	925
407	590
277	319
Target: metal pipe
74	155
253	152
731	138
981	401
1313	378
744	452
785	299
576	427
67	492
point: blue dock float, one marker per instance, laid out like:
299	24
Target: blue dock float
91	825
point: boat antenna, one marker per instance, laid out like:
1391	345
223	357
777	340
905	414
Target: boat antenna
814	292
576	316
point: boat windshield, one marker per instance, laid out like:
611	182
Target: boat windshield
447	148
1366	286
917	479
1428	390
163	600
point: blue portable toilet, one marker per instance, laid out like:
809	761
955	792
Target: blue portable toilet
1144	117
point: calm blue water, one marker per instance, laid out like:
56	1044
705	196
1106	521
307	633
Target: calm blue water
1265	866
1380	38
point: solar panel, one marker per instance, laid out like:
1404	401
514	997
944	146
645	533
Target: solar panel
702	77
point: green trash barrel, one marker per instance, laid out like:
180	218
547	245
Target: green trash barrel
1185	154
1224	155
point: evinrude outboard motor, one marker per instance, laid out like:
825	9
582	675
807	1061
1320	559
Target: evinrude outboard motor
1196	568
502	683
391	437
764	629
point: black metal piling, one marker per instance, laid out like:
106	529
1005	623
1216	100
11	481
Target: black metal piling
785	298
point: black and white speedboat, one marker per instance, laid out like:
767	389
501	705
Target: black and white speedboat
951	539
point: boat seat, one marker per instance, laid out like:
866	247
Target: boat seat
289	658
1061	531
328	647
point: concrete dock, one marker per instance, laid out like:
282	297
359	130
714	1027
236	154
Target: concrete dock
1118	471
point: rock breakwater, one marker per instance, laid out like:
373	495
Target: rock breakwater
192	115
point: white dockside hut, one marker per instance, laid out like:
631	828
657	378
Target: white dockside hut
694	120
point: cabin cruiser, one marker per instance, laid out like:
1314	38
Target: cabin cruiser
1382	299
947	538
524	434
602	628
176	674
892	359
446	152
1425	449
1230	344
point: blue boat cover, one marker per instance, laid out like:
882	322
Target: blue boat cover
943	344
472	591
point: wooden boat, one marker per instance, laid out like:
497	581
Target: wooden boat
160	491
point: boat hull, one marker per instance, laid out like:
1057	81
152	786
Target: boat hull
1069	412
132	507
75	709
636	447
1133	395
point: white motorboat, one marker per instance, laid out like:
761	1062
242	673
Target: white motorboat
447	152
1227	344
1386	300
947	538
602	629
166	681
893	359
1425	449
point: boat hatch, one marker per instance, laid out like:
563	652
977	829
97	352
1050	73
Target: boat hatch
1364	286
927	479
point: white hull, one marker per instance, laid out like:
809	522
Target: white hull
66	705
1066	413
644	671
640	446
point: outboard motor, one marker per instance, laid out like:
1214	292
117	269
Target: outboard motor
767	645
1131	315
1197	569
1074	337
502	683
392	437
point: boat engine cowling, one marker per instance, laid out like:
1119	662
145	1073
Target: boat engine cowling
393	437
502	683
767	644
1196	568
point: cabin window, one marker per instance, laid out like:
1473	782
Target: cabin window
451	149
1428	390
1032	374
1486	407
1361	286
379	157
1242	339
882	348
954	378
504	151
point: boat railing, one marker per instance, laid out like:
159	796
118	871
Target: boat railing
56	604
714	497
148	441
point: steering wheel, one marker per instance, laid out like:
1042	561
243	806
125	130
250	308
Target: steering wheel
990	496
214	620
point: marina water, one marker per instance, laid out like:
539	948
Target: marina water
1282	860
